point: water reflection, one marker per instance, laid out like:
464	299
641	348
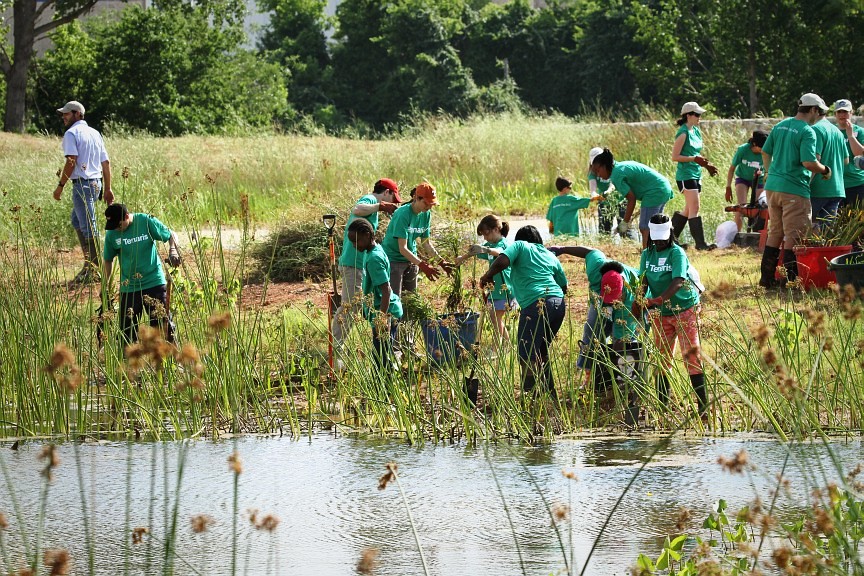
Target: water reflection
324	491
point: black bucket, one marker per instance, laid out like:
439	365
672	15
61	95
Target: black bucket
849	269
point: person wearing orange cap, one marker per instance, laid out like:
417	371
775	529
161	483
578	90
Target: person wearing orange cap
409	228
384	198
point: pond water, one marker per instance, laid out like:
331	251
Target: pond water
324	491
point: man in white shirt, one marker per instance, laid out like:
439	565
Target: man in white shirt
89	169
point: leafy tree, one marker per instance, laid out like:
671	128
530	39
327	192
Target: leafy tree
15	63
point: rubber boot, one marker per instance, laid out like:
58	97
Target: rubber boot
790	262
698	383
770	259
679	222
698	234
81	277
663	389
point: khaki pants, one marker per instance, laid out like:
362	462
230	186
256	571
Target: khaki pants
789	219
352	303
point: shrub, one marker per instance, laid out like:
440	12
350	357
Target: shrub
295	252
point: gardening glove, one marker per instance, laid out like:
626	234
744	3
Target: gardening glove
728	193
701	161
556	250
448	267
476	249
174	252
485	280
623	226
430	271
387	207
827	174
712	170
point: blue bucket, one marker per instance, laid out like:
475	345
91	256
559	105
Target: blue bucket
450	337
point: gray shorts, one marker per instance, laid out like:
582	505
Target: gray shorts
646	214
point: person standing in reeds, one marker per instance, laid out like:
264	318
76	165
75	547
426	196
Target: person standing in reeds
789	157
610	206
89	168
539	284
494	231
827	195
670	283
637	182
687	152
746	162
386	306
132	237
384	198
853	176
563	212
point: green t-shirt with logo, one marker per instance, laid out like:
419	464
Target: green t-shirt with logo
648	186
790	143
502	290
692	147
659	269
140	265
563	212
350	256
852	175
746	162
406	224
624	324
377	272
831	149
534	273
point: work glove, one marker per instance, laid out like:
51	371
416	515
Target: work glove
476	249
701	161
448	267
623	226
174	257
728	193
827	174
387	207
430	271
712	170
485	281
556	250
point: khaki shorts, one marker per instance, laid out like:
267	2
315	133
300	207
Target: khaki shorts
788	218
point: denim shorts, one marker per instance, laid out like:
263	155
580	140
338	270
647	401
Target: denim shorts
503	304
647	212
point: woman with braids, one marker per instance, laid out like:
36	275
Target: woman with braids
635	181
539	284
673	286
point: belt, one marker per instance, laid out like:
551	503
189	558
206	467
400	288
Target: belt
76	180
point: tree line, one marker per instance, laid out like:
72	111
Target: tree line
179	66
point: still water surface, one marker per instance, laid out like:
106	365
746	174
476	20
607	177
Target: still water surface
324	491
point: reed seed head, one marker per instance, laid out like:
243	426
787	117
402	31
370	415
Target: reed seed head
4	522
761	335
219	322
235	465
560	512
57	560
201	522
368	561
138	534
268	523
737	464
389	475
51	458
569	474
683	519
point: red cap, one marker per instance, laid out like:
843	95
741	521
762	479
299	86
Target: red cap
611	287
427	193
390	185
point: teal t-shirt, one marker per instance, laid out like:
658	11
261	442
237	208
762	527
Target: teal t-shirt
350	256
692	147
831	149
852	175
648	186
377	272
624	324
594	260
791	142
563	212
502	290
746	162
406	224
659	269
534	273
140	265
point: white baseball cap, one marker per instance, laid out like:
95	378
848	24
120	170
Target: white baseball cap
843	104
72	106
811	99
593	153
692	107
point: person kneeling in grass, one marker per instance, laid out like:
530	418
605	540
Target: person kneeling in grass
132	237
539	284
386	304
673	286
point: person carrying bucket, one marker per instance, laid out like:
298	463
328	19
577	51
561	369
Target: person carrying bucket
383	198
539	285
494	232
672	286
386	305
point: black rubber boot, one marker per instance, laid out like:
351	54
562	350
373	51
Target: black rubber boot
698	234
790	262
770	259
698	383
663	389
83	276
679	222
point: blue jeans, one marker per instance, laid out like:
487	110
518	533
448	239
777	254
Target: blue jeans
85	193
824	209
538	325
595	329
